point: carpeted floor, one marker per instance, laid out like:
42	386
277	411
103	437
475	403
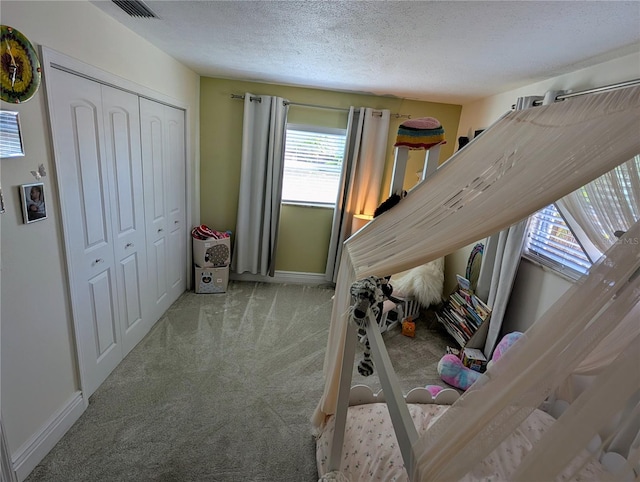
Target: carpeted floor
222	389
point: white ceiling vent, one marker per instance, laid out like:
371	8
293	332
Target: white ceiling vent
135	8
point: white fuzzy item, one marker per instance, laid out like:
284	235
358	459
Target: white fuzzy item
423	283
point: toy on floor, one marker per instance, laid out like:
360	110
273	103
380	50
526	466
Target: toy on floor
453	372
409	327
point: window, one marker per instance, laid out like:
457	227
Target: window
312	164
551	243
10	138
594	213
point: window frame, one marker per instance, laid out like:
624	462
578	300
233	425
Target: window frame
556	266
583	241
320	130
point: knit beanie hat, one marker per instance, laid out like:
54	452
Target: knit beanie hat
421	133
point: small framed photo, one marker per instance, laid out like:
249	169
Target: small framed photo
33	202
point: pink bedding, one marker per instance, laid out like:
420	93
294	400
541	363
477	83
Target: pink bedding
371	452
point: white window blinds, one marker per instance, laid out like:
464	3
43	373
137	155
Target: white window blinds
312	164
550	242
10	138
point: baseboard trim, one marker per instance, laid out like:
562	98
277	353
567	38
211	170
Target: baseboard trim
40	444
293	277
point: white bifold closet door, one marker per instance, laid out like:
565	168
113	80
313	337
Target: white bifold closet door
116	294
96	131
121	169
163	155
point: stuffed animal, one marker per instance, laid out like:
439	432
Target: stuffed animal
453	372
434	389
388	203
507	342
368	294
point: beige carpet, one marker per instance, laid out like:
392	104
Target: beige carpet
222	389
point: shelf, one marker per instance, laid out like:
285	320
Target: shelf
466	319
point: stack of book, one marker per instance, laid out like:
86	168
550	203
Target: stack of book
464	313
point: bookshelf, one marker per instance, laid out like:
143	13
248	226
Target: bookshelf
465	316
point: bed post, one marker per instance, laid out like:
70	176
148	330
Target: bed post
431	159
403	425
342	404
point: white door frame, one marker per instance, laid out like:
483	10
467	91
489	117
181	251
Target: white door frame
51	59
7	474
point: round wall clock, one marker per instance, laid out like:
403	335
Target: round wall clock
20	71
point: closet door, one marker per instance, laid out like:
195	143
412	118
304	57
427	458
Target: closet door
152	133
122	145
77	125
176	199
163	158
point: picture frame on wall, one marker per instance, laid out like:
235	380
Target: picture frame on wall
32	198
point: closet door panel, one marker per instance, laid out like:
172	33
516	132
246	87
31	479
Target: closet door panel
77	125
131	300
154	179
176	199
159	254
100	289
84	120
156	170
175	264
123	149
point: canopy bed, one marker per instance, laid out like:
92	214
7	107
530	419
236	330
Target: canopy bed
528	159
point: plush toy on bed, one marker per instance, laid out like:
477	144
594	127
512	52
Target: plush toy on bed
453	372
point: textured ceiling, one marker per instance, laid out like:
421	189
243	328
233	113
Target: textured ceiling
444	51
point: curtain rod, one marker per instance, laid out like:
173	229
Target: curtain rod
595	90
619	85
315	106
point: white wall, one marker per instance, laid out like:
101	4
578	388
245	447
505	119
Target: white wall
536	288
38	371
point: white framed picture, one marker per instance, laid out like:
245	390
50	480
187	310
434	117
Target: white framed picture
33	202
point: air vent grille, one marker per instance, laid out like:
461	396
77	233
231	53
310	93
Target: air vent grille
135	8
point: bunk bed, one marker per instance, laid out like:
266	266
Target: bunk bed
528	159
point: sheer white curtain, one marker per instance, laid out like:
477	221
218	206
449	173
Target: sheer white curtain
361	178
263	137
610	203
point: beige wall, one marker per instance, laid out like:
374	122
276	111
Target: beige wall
38	359
304	236
535	288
